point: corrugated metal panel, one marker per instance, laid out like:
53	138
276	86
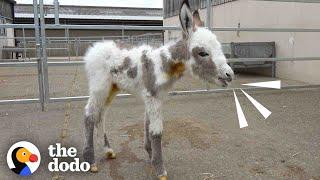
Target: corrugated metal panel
90	10
71	16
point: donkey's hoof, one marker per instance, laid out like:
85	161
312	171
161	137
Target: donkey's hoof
163	177
93	168
110	154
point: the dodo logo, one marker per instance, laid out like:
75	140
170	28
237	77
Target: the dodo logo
23	158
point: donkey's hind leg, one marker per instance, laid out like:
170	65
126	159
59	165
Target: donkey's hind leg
110	154
93	110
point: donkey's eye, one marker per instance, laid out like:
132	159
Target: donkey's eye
203	54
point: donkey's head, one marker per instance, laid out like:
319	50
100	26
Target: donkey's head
206	59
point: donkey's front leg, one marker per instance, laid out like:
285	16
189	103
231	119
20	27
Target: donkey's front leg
153	112
147	139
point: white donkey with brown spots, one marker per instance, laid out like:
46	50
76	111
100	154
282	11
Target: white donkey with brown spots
148	72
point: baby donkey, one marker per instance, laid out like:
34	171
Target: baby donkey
148	73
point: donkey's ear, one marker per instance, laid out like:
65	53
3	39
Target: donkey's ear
196	20
185	16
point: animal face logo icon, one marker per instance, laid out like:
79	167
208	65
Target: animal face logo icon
23	158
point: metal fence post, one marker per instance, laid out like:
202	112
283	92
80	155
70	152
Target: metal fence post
44	55
38	52
208	25
208	16
56	12
24	44
68	42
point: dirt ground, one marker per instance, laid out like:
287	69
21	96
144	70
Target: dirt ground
202	138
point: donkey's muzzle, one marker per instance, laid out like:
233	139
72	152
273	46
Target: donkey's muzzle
228	77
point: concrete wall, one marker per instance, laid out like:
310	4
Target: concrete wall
266	14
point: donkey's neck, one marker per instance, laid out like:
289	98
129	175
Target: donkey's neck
179	51
173	58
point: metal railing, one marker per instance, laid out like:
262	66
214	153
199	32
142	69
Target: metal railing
42	63
70	46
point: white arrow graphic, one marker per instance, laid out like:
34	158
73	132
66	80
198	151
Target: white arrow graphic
242	119
264	111
267	84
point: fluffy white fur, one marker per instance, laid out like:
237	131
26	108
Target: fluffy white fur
103	57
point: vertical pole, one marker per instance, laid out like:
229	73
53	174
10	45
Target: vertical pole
208	16
77	43
68	42
208	25
24	43
44	55
122	33
56	12
38	54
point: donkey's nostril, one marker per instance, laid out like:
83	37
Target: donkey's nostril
229	77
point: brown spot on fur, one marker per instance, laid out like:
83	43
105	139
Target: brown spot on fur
112	93
148	76
179	51
177	70
132	72
174	70
124	66
204	66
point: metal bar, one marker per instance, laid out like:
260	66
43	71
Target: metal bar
38	51
265	29
273	59
44	54
21	49
56	12
77	44
18	64
205	91
189	92
113	27
172	93
19	101
157	28
68	43
81	98
297	1
18	26
24	43
72	63
208	16
19	60
117	27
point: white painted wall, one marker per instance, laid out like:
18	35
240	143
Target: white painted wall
266	14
